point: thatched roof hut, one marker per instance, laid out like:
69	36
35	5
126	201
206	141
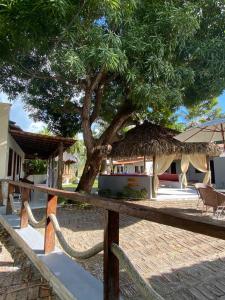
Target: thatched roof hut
150	140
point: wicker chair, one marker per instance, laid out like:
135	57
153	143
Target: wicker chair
211	198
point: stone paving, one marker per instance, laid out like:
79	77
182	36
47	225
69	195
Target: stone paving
179	264
19	280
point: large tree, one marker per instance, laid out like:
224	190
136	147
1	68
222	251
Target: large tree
82	63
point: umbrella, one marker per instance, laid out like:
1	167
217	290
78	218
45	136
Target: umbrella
212	131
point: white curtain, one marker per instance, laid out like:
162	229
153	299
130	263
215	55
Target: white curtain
199	161
162	163
184	168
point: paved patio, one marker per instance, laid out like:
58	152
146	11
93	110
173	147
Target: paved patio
18	278
179	264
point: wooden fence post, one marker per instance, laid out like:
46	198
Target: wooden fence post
49	244
1	196
25	196
111	263
9	209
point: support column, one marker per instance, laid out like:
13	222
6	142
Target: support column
9	209
111	263
23	213
49	242
52	173
153	178
60	167
1	195
209	169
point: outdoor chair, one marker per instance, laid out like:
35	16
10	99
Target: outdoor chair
198	186
211	198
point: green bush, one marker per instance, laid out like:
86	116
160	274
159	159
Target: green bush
34	167
129	193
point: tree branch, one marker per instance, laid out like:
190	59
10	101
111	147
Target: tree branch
57	77
121	117
97	106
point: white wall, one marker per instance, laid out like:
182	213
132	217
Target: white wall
219	168
4	123
16	149
6	142
130	168
38	179
192	175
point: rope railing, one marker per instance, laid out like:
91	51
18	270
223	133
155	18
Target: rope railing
31	217
68	249
111	236
16	211
145	288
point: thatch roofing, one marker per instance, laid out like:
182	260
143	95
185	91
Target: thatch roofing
149	139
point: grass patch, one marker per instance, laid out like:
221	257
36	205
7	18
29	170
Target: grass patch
74	185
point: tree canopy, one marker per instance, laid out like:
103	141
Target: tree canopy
78	63
203	111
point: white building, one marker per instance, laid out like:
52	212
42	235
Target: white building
17	145
11	154
217	166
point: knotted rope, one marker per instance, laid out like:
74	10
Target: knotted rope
146	289
68	249
31	217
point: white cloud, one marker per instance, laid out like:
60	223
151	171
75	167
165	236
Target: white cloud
36	127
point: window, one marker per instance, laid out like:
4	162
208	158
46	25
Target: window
173	168
14	165
9	172
18	164
142	169
136	169
212	171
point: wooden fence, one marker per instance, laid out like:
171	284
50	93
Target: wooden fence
111	232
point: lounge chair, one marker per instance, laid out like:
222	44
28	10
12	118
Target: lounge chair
211	198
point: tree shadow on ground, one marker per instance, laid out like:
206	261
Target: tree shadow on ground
204	280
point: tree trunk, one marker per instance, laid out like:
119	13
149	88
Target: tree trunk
91	169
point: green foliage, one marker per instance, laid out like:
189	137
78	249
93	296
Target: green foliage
126	193
80	63
130	193
161	52
203	111
34	167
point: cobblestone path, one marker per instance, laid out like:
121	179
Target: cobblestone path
179	264
19	280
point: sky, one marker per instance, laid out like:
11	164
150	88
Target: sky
19	115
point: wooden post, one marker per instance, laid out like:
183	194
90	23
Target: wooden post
209	169
49	172
52	173
49	244
60	167
153	179
111	263
23	213
1	196
9	209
